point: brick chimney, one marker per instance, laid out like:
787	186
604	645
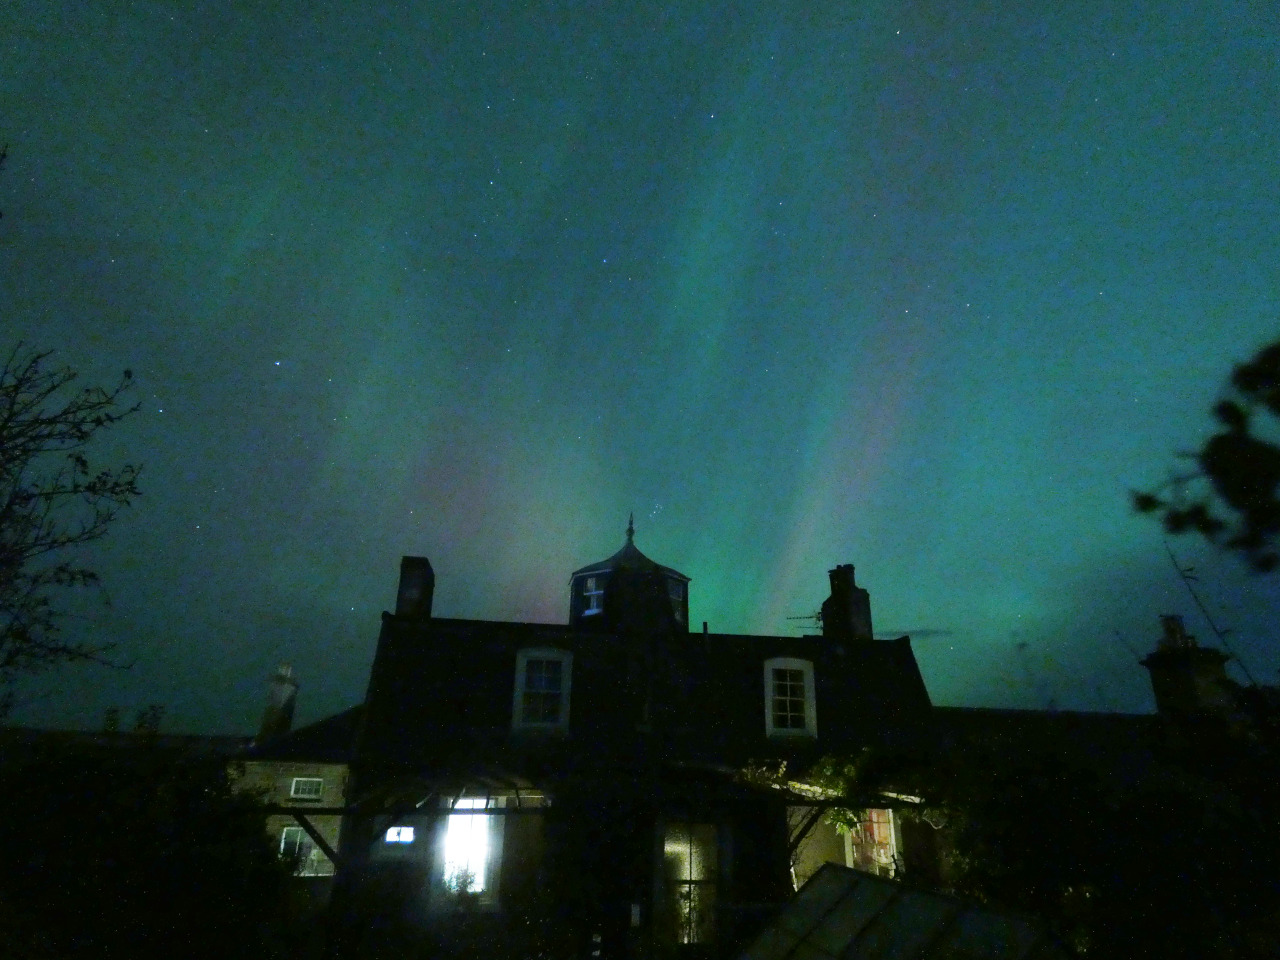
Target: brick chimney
277	719
846	614
417	587
1188	680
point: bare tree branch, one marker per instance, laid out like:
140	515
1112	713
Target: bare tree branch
52	501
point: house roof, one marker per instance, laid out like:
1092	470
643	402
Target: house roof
845	914
440	693
331	740
629	557
15	740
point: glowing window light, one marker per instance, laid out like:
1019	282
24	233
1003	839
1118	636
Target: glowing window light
400	835
466	848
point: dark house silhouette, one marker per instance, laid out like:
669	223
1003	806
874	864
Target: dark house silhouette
517	782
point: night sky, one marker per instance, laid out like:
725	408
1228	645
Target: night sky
926	288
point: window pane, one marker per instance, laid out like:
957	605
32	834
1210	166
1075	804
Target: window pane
542	676
689	864
541	708
294	842
543	684
788	699
593	590
307	788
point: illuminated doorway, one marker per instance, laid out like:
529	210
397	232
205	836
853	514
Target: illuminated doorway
689	854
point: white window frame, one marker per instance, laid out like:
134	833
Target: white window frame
810	701
296	794
593	600
523	657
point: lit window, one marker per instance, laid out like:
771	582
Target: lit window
400	835
306	788
873	843
789	708
593	593
689	869
294	842
466	847
542	685
295	845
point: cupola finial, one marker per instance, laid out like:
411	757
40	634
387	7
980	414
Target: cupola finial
631	527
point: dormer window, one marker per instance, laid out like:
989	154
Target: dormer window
593	596
789	704
543	680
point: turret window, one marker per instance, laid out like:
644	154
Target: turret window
593	595
789	707
675	591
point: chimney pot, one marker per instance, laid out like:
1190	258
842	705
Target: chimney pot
282	696
1175	636
1188	680
417	587
846	614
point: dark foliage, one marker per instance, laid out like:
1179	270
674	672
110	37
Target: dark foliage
1231	498
134	853
52	502
1177	860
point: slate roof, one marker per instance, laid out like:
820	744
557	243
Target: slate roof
331	740
16	740
629	557
845	914
440	692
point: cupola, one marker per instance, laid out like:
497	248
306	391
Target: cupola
628	587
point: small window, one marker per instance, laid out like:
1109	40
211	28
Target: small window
789	708
306	788
543	679
400	835
593	595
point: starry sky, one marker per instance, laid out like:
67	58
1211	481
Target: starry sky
926	288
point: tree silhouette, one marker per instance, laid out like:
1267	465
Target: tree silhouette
1231	496
52	501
